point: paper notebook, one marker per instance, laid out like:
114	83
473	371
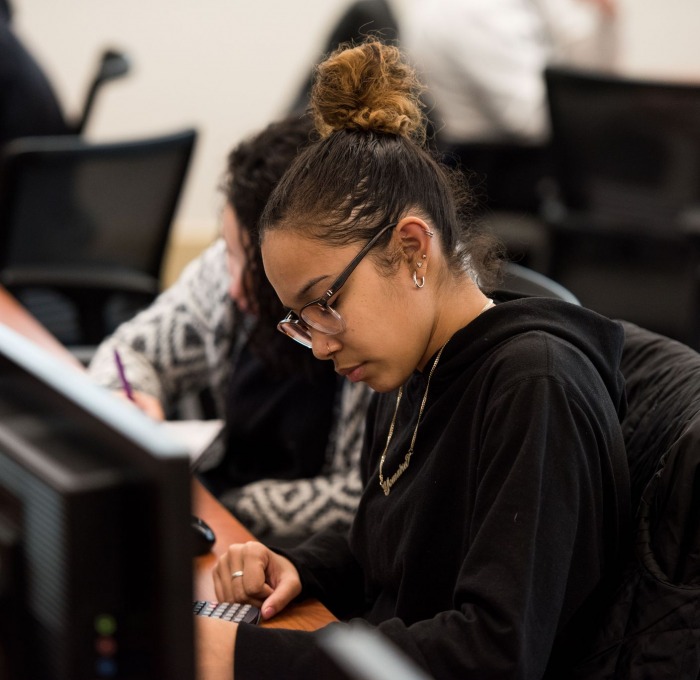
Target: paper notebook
201	438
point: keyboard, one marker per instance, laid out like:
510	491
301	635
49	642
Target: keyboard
229	611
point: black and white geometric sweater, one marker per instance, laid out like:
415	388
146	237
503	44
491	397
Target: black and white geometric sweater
182	344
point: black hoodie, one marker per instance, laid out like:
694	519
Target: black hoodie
489	555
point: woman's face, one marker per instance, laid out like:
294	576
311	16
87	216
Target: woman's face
236	260
387	321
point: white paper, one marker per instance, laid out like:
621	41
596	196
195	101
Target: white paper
199	437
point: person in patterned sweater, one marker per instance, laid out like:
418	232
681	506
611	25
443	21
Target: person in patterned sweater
294	428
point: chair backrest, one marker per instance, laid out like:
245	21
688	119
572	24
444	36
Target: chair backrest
89	216
625	218
651	626
503	175
626	150
525	281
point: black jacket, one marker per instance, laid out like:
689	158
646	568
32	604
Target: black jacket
652	623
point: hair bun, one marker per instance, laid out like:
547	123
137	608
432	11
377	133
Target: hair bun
370	88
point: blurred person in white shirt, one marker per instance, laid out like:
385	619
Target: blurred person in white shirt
483	60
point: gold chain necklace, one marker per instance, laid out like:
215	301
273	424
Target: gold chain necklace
386	484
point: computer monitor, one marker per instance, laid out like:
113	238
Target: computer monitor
95	544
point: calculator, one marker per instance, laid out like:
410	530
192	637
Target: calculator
235	612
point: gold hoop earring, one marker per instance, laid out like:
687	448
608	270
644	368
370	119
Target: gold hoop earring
415	280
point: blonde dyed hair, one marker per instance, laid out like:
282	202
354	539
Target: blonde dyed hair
368	88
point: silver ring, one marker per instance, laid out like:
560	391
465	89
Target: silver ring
236	574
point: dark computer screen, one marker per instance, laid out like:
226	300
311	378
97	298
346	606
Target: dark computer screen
95	553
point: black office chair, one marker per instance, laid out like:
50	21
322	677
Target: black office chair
519	280
84	227
652	621
507	180
624	218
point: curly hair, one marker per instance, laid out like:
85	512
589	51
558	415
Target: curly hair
368	90
254	168
371	164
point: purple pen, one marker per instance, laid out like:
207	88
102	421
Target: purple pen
122	376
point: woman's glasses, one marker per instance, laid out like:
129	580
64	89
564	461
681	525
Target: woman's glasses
318	314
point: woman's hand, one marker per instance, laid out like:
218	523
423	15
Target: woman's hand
254	574
215	640
146	402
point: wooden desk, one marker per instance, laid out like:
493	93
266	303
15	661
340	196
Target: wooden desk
308	615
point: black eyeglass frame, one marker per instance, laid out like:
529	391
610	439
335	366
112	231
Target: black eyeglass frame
296	320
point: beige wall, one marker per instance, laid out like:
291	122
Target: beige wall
226	67
660	37
230	66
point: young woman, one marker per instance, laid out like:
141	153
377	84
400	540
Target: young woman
293	427
495	479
